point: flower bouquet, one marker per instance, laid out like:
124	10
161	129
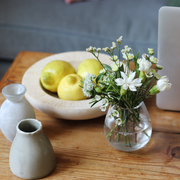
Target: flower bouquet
123	90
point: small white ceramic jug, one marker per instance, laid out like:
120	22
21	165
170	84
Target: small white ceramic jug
31	154
14	109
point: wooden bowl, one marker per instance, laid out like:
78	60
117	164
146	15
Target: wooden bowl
49	103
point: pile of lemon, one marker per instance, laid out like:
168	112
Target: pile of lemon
60	77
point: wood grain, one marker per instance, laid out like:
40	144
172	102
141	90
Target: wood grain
82	151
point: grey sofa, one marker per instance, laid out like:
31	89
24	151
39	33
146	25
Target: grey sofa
53	26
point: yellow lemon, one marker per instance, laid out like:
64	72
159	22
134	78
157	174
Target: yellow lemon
53	72
89	66
69	89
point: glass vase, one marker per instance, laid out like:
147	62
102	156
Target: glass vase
128	129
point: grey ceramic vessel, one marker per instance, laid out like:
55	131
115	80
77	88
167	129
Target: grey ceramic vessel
31	154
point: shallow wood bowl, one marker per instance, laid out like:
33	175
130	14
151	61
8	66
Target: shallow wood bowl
49	103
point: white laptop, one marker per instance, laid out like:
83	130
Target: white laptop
169	56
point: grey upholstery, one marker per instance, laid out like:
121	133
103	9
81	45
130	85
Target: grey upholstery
53	26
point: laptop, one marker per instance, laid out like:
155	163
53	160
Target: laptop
169	56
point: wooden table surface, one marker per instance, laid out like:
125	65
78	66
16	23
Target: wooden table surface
82	151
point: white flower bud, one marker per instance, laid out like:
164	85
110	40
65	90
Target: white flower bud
118	121
119	40
105	102
115	65
130	56
162	84
106	49
145	56
144	65
114	58
157	76
159	67
89	49
97	97
115	113
103	108
102	71
126	49
113	45
151	51
98	50
153	60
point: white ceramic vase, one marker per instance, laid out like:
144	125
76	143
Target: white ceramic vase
14	109
31	154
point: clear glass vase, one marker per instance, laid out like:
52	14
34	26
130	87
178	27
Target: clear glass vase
128	129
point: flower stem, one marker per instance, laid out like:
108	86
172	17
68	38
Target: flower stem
128	141
97	57
110	133
118	137
125	140
126	136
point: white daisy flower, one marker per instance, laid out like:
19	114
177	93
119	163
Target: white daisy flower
128	82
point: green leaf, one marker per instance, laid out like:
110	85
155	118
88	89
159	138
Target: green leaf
99	76
115	97
122	69
107	67
118	74
136	64
94	103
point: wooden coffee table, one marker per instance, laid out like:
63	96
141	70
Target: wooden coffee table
82	151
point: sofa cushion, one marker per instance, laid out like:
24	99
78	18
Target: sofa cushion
53	26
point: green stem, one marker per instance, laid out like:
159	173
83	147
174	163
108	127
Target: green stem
127	137
98	60
111	131
128	70
118	137
129	141
143	130
119	52
125	140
